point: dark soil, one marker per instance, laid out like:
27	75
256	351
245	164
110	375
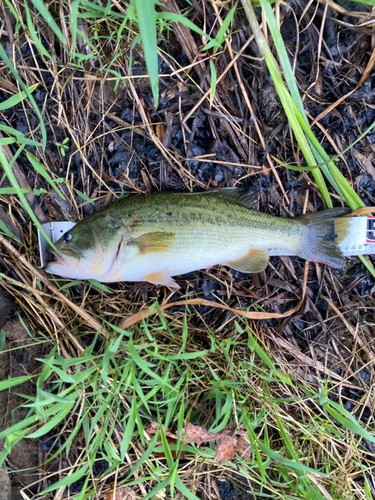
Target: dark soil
19	359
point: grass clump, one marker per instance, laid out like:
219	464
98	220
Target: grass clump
99	408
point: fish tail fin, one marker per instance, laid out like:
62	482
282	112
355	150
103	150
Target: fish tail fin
322	234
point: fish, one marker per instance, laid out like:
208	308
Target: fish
157	236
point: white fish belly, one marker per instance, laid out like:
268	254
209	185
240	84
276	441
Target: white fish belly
191	251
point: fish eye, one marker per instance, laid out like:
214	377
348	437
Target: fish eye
67	237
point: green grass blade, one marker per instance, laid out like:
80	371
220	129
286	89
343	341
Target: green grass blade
221	36
213	81
278	457
144	457
33	34
11	130
74	17
20	426
43	172
158	487
2	339
147	27
347	420
366	2
41	7
13	10
4	229
331	173
287	103
53	422
177	18
72	478
185	492
13	101
5	58
5	141
12	179
12	382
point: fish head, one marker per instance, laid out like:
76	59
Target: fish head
87	251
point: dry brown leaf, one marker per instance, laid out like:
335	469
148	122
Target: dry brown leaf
365	162
228	442
174	453
123	493
242	444
146	181
225	448
198	434
152	430
160	131
171	438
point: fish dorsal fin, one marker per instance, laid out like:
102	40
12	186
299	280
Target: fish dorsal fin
323	214
238	195
162	277
253	262
155	242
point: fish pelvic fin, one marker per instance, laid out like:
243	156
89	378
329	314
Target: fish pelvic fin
162	277
322	234
254	262
155	242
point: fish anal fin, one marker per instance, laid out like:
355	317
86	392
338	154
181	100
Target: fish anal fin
154	242
162	277
253	262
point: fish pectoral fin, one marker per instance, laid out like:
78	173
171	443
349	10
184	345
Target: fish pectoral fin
154	242
253	262
161	278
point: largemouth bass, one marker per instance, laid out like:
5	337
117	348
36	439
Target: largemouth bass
155	237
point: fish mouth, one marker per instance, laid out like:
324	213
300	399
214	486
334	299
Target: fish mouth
58	258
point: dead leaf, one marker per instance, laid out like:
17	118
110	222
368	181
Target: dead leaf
366	162
265	170
152	430
174	453
123	493
228	442
198	434
171	438
242	444
160	131
146	181
225	449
